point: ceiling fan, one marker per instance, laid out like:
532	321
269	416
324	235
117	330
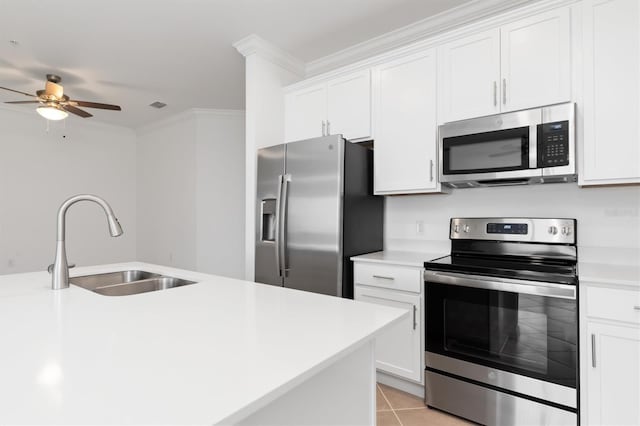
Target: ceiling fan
55	105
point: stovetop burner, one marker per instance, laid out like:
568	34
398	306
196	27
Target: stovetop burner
506	268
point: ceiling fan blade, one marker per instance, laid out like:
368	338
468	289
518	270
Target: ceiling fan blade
23	102
17	91
76	111
94	105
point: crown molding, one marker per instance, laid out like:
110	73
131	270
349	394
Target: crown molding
466	13
256	45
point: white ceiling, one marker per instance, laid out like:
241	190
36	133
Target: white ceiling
135	52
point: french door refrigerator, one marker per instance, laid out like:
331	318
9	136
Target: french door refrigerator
315	209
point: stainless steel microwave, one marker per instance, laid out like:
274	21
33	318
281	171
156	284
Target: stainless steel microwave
522	147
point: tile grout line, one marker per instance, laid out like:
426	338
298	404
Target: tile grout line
411	408
389	404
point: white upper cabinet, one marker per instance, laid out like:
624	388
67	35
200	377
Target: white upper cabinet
523	64
349	106
305	113
536	61
339	106
470	76
405	149
611	56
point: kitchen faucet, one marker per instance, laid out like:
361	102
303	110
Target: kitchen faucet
60	267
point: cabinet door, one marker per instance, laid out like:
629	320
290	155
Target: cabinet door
305	111
613	379
349	105
469	72
611	107
536	61
405	125
398	349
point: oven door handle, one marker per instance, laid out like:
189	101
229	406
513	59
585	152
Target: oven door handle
561	291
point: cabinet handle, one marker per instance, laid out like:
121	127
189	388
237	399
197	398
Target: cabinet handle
328	127
415	323
324	128
431	170
593	350
637	308
382	277
504	91
495	93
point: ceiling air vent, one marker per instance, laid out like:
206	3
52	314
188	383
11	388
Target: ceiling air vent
158	104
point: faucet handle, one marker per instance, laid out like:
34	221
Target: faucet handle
50	267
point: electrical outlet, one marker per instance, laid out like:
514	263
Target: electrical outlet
419	227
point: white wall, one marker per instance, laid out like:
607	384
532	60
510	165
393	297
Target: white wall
191	192
220	182
166	185
608	217
39	170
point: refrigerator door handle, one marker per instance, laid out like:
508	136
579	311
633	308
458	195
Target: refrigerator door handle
278	224
284	207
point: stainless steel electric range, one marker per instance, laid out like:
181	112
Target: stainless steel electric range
502	322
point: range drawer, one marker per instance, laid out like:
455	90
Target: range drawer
404	278
614	304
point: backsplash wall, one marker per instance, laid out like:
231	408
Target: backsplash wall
608	217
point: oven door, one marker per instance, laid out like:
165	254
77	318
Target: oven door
491	148
512	334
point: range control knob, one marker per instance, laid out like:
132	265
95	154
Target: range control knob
466	228
456	228
553	230
566	230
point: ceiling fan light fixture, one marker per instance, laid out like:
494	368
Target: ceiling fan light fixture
52	112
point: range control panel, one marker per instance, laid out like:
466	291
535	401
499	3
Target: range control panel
553	144
507	228
521	229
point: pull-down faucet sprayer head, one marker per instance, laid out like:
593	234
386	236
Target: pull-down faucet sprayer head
114	226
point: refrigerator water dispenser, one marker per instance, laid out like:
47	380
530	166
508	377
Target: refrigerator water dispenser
268	223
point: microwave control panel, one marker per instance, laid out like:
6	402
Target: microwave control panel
553	144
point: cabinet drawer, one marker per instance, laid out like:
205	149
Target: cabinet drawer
614	304
394	277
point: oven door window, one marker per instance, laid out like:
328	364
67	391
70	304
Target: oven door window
499	151
530	335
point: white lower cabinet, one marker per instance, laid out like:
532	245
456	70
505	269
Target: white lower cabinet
612	357
614	374
400	349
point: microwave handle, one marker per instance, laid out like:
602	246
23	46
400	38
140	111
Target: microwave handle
533	146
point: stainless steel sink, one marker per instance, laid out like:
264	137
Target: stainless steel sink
124	283
91	282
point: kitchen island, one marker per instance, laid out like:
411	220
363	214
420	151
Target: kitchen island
221	351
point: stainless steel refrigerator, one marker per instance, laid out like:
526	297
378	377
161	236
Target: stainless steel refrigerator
315	209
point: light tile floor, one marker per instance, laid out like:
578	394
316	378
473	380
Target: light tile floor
397	408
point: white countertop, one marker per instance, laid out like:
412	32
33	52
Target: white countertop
219	349
610	274
405	258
